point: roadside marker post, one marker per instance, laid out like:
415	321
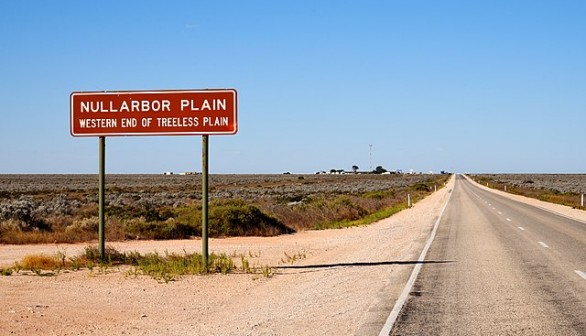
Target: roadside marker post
144	113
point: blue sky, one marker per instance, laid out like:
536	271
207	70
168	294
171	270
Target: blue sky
463	86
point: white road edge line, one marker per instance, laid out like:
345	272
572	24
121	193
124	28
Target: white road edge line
521	228
388	326
543	244
582	274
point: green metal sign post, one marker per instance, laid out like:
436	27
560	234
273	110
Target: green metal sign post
204	200
102	198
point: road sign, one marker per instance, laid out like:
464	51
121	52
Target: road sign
177	112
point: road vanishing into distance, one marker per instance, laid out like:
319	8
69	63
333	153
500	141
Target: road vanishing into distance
508	269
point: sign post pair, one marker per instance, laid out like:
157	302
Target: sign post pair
162	113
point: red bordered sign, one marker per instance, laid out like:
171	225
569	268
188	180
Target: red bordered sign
177	112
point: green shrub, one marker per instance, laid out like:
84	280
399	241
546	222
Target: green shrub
150	214
243	220
92	253
90	224
233	218
169	229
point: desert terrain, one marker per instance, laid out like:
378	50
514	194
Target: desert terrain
341	281
324	282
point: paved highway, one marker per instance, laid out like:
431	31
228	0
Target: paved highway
515	270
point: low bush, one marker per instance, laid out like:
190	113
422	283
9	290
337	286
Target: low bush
233	218
169	229
84	224
240	219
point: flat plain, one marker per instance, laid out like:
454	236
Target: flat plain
341	281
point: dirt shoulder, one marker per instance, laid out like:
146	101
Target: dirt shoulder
343	282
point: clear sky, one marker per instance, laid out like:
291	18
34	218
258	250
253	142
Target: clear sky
463	86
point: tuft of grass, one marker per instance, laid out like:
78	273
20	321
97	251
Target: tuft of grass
245	265
111	255
37	262
267	271
291	259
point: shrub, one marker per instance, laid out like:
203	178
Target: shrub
84	224
149	213
233	218
243	220
169	229
92	253
11	225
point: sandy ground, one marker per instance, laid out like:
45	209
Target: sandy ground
344	282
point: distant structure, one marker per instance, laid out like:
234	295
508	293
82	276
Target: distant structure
169	173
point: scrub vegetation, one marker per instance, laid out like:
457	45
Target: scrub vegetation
563	189
64	208
163	268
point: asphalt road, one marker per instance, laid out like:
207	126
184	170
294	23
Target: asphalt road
514	270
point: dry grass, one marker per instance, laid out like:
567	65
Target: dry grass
163	268
41	261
